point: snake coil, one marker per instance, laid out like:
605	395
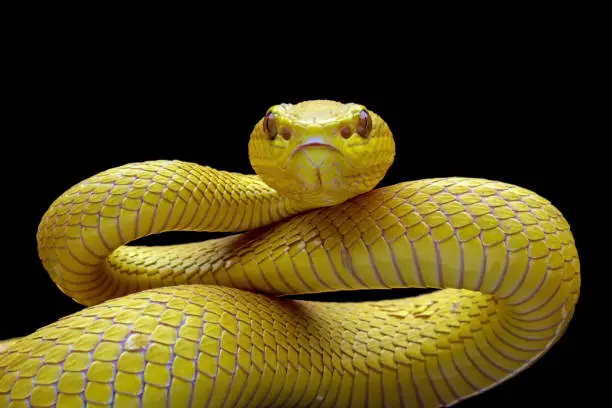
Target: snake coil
205	325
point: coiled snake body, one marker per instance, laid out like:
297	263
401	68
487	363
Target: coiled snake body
203	325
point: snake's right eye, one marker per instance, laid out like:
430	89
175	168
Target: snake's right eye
270	126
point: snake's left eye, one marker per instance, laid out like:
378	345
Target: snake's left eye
270	126
364	127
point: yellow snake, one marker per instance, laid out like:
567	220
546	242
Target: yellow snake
204	325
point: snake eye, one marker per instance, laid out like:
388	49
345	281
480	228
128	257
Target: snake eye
269	125
364	127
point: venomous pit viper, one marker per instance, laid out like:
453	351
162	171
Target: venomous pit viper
205	324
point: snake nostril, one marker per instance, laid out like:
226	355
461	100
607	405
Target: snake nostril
345	132
286	133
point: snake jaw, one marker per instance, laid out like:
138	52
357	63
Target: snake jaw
315	170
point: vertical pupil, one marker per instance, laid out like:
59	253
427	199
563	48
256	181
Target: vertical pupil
365	124
270	125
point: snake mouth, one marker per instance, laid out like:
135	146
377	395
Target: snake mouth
315	141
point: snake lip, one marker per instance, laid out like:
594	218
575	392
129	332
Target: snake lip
313	142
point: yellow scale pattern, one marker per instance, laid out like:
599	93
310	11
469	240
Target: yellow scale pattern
505	255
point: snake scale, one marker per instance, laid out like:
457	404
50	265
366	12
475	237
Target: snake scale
206	324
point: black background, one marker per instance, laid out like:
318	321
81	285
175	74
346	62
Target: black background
497	111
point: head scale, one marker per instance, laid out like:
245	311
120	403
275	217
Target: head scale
321	152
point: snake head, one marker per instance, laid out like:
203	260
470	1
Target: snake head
321	152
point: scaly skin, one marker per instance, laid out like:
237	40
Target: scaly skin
200	324
4	344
